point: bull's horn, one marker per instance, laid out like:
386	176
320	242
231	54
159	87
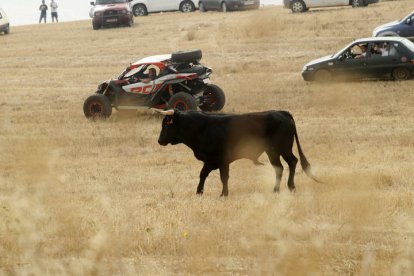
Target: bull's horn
164	112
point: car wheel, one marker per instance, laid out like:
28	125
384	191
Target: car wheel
140	10
7	30
201	7
224	7
97	106
401	73
357	3
213	98
298	6
322	75
186	56
187	6
182	101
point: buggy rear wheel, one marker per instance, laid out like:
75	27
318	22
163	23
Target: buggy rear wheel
97	106
213	98
182	101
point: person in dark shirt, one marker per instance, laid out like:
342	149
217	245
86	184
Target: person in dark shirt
43	10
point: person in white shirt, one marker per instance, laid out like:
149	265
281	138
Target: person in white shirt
53	9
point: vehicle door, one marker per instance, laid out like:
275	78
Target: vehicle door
325	3
315	3
212	4
350	64
407	28
162	5
331	3
389	56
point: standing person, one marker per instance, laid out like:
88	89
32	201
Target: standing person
53	11
43	10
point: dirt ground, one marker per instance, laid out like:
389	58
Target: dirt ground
79	197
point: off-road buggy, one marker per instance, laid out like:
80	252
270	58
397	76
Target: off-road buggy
181	82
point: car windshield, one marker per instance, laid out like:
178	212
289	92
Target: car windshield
406	17
342	50
106	2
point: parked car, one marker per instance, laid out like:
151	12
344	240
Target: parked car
403	27
143	7
374	57
304	5
227	5
4	23
178	80
111	13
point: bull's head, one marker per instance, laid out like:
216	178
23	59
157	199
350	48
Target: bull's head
169	130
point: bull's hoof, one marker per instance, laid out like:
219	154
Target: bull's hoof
276	190
224	194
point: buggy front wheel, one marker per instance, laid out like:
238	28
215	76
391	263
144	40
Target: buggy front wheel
97	106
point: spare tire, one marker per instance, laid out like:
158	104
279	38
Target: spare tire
186	56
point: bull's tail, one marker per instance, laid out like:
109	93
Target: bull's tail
303	161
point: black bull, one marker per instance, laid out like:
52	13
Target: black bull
219	139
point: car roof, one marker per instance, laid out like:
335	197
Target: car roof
380	38
152	59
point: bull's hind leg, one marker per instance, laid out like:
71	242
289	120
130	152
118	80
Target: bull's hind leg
205	171
224	176
277	165
292	161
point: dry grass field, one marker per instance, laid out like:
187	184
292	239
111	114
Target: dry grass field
103	198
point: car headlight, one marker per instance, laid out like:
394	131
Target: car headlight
306	68
98	14
124	11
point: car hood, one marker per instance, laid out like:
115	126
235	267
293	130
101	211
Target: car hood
386	25
120	6
319	60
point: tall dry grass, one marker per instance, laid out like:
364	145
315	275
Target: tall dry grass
103	198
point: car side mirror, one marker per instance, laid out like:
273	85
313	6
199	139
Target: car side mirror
408	21
340	58
93	3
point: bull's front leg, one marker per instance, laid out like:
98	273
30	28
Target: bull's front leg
224	176
205	171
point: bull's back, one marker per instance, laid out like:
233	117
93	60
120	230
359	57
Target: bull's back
249	135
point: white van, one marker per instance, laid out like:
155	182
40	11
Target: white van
4	22
304	5
143	7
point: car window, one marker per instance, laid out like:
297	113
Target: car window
394	49
356	50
